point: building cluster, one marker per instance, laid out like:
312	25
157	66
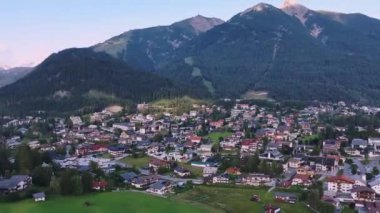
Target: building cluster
176	144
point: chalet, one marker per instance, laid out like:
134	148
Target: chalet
301	180
255	179
157	163
195	139
229	143
144	181
216	124
375	185
128	177
39	197
359	143
116	150
15	183
209	171
340	184
181	172
249	146
272	156
285	197
269	208
224	178
326	164
294	163
160	187
330	146
123	126
375	143
99	185
362	193
233	171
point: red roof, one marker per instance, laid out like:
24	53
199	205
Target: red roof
248	142
99	184
340	179
304	178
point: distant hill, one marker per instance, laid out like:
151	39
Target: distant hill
78	78
11	75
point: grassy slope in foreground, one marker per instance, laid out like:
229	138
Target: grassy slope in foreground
104	202
237	199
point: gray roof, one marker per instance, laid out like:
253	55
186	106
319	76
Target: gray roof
12	182
374	183
39	195
359	142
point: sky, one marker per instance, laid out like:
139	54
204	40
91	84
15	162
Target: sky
31	30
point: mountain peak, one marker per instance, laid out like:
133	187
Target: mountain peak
201	24
292	8
258	8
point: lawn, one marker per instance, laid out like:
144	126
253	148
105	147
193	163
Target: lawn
214	136
104	202
137	162
196	171
237	199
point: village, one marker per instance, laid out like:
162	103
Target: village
328	151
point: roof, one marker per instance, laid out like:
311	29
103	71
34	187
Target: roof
181	169
39	195
362	189
374	183
128	176
359	142
160	184
13	181
340	179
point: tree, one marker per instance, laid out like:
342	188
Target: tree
253	162
68	183
87	182
55	185
349	161
5	165
77	185
263	167
24	159
158	137
42	176
375	171
354	169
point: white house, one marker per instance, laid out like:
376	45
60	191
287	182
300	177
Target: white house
209	171
375	142
375	185
39	197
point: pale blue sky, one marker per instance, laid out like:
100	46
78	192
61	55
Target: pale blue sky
33	29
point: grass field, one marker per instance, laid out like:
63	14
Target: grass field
237	199
104	202
137	162
196	171
214	136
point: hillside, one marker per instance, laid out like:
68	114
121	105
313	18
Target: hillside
11	75
77	78
146	48
294	53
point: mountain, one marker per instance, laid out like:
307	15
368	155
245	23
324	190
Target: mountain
293	53
11	75
145	48
79	78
